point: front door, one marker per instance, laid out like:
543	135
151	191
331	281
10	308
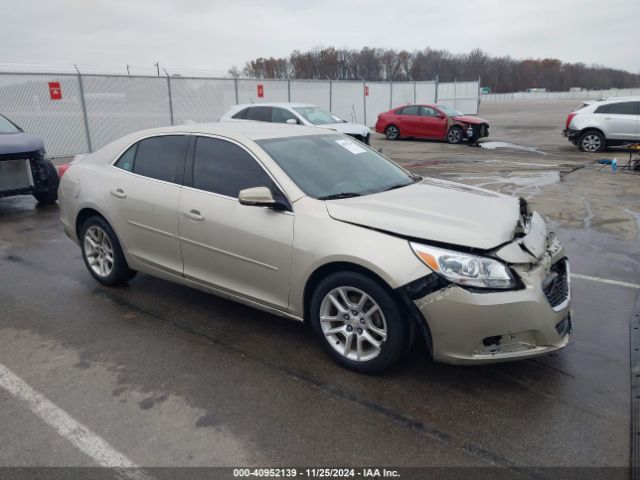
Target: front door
241	249
433	123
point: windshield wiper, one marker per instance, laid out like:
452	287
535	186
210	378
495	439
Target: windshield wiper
414	179
336	196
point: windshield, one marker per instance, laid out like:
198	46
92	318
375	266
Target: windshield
317	116
7	127
335	166
449	111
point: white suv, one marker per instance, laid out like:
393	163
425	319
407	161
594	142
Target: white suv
594	125
297	114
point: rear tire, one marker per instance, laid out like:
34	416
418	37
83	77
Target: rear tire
592	141
455	135
358	322
102	253
392	132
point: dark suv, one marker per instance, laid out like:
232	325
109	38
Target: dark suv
24	170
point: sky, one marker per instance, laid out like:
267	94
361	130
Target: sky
215	35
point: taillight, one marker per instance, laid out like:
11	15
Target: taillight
569	118
62	169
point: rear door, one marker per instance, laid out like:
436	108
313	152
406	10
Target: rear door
240	249
619	120
143	200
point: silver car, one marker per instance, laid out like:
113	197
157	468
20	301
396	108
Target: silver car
595	125
297	114
317	227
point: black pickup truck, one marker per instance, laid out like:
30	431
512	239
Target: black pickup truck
24	170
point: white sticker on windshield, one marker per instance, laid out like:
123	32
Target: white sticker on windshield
349	145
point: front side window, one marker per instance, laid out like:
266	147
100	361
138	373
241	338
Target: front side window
225	168
334	166
259	114
161	158
281	115
411	110
428	112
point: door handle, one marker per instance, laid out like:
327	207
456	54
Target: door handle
193	215
118	193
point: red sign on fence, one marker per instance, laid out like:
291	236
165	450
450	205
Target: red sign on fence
55	92
366	90
260	90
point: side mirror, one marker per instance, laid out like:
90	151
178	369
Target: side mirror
260	197
292	121
256	197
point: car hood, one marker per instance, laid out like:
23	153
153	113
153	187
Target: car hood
436	210
349	128
470	119
11	143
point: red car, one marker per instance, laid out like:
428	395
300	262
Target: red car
431	121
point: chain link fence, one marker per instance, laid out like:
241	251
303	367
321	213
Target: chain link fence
78	113
577	94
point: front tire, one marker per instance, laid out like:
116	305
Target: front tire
392	132
102	253
454	135
358	322
47	192
591	141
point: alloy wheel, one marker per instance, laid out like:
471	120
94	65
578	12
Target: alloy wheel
591	143
454	135
392	132
98	251
353	323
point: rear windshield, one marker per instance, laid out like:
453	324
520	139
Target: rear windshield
7	127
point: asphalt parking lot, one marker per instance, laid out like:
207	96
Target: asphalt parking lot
169	376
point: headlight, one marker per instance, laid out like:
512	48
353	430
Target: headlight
465	269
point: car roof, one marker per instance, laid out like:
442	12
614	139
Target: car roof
275	104
247	130
617	99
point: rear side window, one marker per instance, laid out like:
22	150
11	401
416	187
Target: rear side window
225	168
125	161
260	114
161	158
622	108
241	114
411	110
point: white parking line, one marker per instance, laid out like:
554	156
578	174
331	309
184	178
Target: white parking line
606	280
75	432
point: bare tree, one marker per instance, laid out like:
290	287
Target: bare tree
502	74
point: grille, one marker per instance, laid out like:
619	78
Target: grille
564	326
556	285
15	175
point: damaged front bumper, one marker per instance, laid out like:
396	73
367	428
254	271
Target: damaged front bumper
470	326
